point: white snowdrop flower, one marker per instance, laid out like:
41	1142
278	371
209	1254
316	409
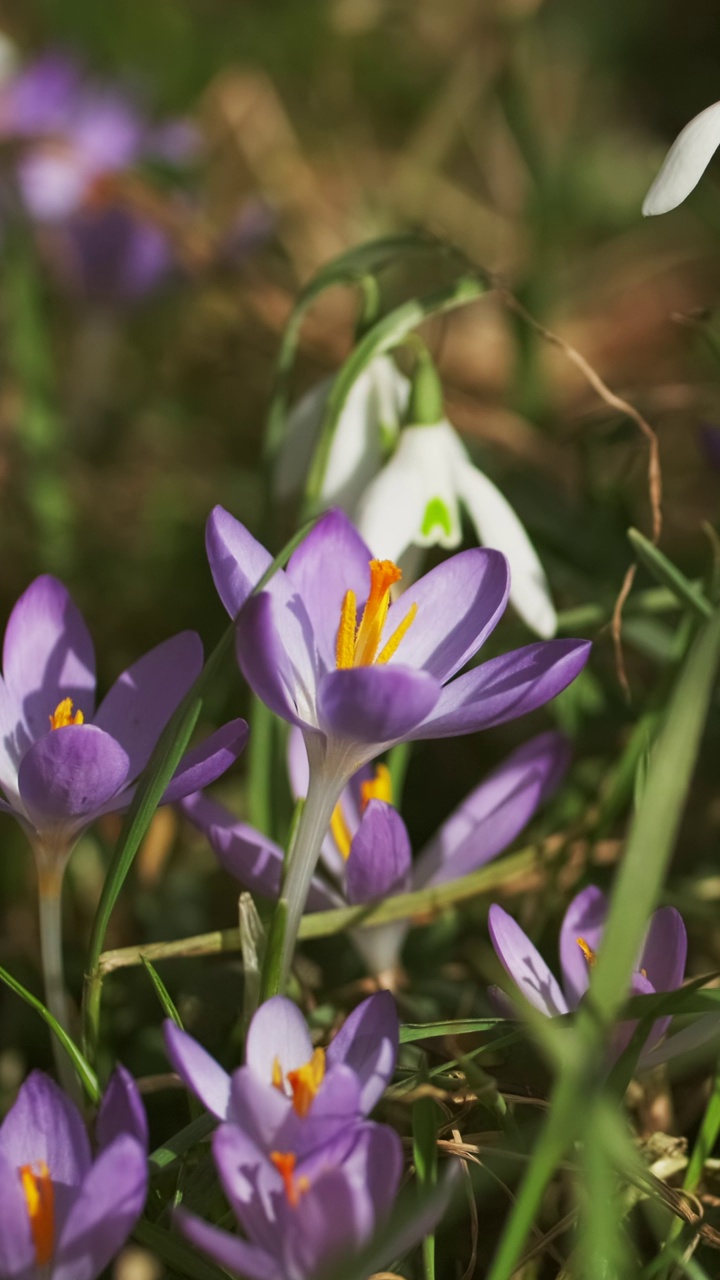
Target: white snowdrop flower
367	427
685	162
416	500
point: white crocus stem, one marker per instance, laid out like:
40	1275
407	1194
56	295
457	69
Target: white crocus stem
324	791
50	905
368	424
685	162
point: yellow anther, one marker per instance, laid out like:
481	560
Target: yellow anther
277	1076
62	716
377	788
285	1162
306	1081
357	646
40	1200
587	951
340	831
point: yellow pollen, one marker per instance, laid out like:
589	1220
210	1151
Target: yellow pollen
341	831
306	1081
357	646
63	715
40	1200
277	1076
377	788
285	1162
587	951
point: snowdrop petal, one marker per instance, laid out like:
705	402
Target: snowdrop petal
413	500
685	162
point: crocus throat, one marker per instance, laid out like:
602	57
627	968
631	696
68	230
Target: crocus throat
588	952
285	1162
304	1082
62	716
379	787
40	1200
357	646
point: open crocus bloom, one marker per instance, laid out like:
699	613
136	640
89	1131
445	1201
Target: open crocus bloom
63	763
367	849
685	162
64	1215
302	1214
661	966
415	501
289	1095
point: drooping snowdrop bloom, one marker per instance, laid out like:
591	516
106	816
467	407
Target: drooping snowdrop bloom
367	849
302	1216
289	1095
660	967
685	162
63	1214
327	650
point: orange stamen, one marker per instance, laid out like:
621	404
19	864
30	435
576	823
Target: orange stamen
345	645
357	646
377	788
285	1162
587	951
62	716
40	1200
403	627
306	1081
341	831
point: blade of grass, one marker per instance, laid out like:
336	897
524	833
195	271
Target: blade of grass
87	1076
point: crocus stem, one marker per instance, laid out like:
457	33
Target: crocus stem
323	794
50	898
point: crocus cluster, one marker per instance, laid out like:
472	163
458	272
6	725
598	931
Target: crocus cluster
309	1179
367	856
63	1214
660	966
413	499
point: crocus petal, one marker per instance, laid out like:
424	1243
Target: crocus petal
373	1169
277	1034
335	1107
380	946
237	560
326	1230
235	1255
505	688
251	1183
665	950
104	1213
258	1108
141	701
490	818
698	1035
459	604
48	654
197	1069
121	1111
685	162
70	774
368	1043
276	652
624	1032
297	762
43	1124
207	761
498	526
254	860
584	918
17	1251
14	741
377	704
524	964
380	855
331	560
414	499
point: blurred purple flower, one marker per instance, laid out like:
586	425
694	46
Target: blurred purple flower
367	849
63	763
708	438
75	141
661	965
288	1095
63	1215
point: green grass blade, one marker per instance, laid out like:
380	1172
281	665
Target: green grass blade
85	1072
668	575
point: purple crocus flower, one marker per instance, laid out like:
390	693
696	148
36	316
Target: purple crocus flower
367	849
62	762
661	965
327	650
301	1215
289	1095
63	1215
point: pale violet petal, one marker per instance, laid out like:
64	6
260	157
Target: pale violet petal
498	526
685	162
